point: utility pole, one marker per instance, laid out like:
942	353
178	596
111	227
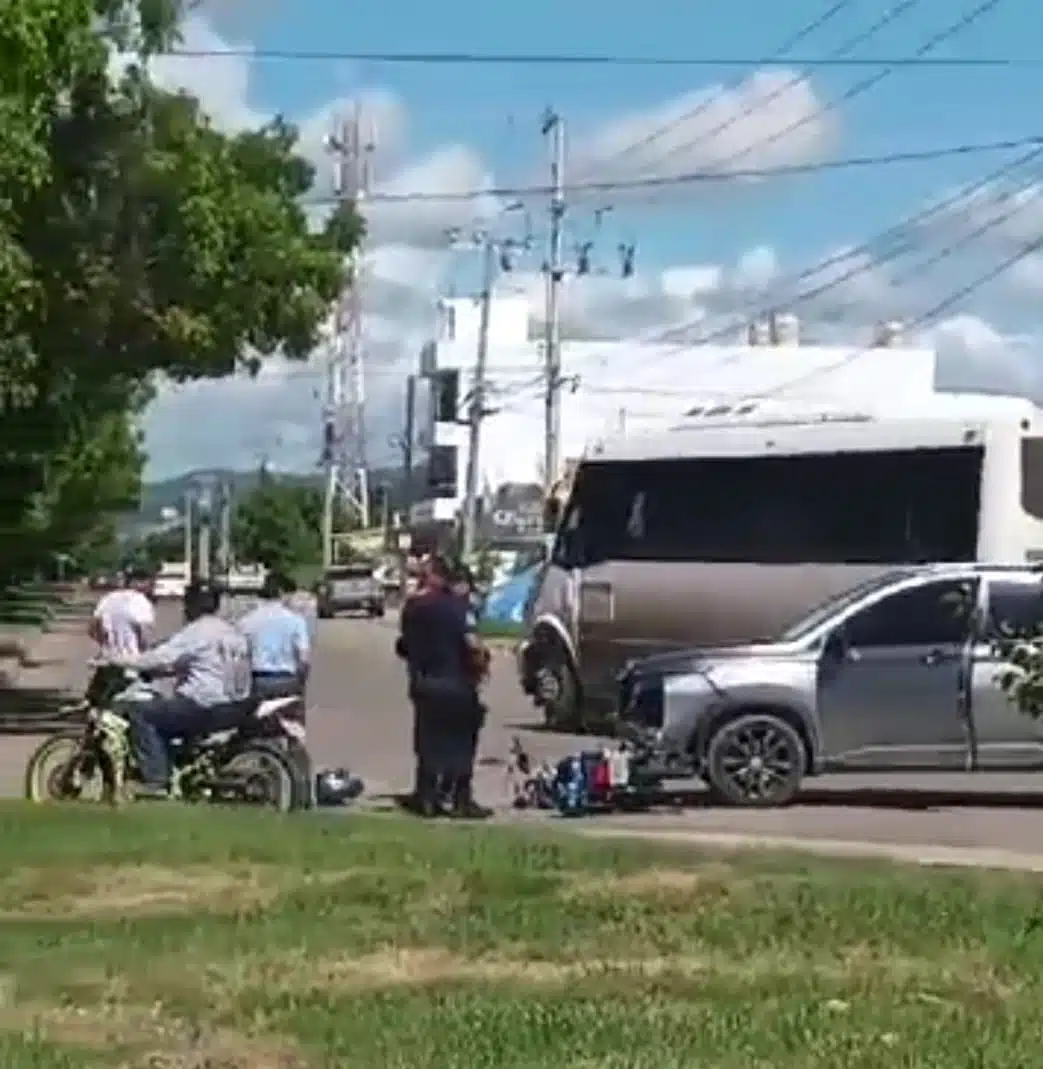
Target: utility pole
553	128
344	426
406	443
189	521
477	411
224	530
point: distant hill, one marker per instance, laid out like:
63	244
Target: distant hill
170	493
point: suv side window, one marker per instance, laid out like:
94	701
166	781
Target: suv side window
935	614
1015	607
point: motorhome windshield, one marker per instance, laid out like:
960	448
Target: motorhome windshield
880	507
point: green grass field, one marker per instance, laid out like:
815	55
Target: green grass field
176	939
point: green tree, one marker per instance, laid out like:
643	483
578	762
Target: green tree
136	241
274	525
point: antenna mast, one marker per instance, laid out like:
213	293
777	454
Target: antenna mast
344	442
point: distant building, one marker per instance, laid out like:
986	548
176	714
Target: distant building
621	386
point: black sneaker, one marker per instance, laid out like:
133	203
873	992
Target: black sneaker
469	809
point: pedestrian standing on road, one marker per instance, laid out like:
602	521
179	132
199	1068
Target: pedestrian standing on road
304	603
440	647
280	646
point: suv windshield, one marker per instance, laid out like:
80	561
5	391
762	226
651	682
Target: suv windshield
812	620
350	571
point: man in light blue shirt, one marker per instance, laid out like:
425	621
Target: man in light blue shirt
279	640
210	663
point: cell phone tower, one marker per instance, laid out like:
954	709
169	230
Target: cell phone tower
344	418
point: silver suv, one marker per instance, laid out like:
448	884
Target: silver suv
899	673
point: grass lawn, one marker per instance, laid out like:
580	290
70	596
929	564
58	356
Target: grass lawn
208	939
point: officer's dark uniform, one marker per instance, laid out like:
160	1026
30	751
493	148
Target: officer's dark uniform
447	709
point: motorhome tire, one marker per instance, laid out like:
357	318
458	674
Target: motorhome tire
558	692
755	760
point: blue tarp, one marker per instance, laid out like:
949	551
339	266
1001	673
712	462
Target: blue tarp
505	602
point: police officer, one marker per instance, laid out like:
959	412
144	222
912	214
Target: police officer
210	662
280	642
441	649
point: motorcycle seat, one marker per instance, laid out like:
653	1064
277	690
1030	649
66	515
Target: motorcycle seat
232	714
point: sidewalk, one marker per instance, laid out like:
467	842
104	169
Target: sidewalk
910	854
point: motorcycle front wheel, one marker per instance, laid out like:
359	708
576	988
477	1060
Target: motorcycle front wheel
61	770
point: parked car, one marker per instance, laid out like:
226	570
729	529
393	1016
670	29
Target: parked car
351	588
171	580
899	673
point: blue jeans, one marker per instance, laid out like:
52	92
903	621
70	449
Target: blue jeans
153	724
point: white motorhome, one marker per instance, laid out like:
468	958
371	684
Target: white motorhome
731	524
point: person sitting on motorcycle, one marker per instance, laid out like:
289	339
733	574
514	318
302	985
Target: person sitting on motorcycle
209	660
280	643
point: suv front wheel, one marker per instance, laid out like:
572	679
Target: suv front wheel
756	760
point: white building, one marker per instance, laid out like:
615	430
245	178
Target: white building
612	386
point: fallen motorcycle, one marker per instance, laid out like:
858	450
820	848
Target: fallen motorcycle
253	757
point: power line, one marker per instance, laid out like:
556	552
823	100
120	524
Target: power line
886	245
844	49
567	59
804	297
700	177
713	99
947	304
871	81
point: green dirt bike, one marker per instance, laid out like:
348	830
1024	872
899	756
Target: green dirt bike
255	753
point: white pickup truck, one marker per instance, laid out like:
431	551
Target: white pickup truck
171	580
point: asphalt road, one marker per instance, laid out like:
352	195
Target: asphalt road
358	717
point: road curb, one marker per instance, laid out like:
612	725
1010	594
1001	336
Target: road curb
913	854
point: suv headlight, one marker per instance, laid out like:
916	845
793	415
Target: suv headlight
642	700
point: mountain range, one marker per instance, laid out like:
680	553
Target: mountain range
171	493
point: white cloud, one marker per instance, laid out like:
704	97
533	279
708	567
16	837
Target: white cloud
221	84
772	119
976	355
1005	214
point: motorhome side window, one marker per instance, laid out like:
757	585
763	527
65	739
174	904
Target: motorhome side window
888	507
1032	476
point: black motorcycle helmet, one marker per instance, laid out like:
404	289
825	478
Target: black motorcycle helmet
202	598
336	786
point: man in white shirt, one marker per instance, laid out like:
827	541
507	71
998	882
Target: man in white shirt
123	619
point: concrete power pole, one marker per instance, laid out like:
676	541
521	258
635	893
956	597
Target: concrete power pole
189	521
408	443
553	128
224	530
344	443
477	413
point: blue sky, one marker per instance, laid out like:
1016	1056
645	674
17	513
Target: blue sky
451	128
496	109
